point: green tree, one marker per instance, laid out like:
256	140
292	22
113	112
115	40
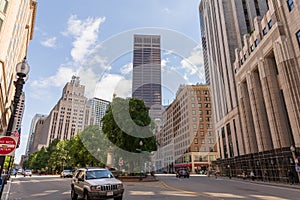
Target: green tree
126	124
123	132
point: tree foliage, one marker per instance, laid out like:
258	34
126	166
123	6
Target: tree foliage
121	129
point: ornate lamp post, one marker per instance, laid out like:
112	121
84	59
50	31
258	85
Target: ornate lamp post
22	70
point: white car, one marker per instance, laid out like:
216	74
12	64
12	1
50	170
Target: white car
28	172
96	183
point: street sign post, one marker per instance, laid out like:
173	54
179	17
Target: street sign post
8	145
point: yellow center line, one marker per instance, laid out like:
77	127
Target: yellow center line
188	192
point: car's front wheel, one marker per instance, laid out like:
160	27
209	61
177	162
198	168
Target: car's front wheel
86	196
74	196
118	198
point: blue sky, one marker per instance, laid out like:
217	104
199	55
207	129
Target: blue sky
93	39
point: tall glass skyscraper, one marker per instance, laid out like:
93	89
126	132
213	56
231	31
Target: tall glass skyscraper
146	77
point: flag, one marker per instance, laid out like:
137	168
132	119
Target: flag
17	134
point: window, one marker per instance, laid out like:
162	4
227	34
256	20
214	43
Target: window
270	24
298	37
265	31
1	22
252	48
256	42
3	5
196	141
290	4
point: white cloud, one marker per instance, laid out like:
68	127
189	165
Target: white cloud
113	84
62	76
166	10
85	33
126	69
193	65
50	42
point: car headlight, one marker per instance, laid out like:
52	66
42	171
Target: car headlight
120	186
95	188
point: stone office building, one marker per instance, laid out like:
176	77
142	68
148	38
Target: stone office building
258	129
267	71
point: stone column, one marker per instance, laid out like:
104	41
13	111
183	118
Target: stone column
274	103
289	73
259	114
246	119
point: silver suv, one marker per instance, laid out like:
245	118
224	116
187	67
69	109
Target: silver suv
96	183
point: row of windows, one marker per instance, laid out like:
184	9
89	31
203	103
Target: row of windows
199	98
206	105
291	6
208	112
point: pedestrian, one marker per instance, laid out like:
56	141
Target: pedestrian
266	176
291	177
252	175
244	175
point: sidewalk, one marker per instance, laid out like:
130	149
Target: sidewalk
6	190
278	184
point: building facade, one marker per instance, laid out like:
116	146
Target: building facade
146	74
267	71
187	138
70	115
251	47
17	19
32	136
99	108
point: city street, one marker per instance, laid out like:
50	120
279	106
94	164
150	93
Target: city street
168	187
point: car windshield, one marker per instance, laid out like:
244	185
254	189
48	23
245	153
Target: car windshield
27	170
97	174
67	171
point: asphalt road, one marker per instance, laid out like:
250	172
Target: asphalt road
167	188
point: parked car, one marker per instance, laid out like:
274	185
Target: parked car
96	183
21	171
66	173
27	172
182	173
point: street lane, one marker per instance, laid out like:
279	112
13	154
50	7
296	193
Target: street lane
167	188
225	188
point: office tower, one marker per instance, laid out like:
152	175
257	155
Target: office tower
99	108
37	119
204	46
70	115
259	128
146	75
15	33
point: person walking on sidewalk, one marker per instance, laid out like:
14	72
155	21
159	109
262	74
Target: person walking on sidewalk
252	175
291	177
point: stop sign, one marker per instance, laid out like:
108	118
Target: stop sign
7	145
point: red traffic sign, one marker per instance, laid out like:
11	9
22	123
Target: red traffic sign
8	145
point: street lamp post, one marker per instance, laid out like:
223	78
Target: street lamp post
141	144
293	150
22	70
